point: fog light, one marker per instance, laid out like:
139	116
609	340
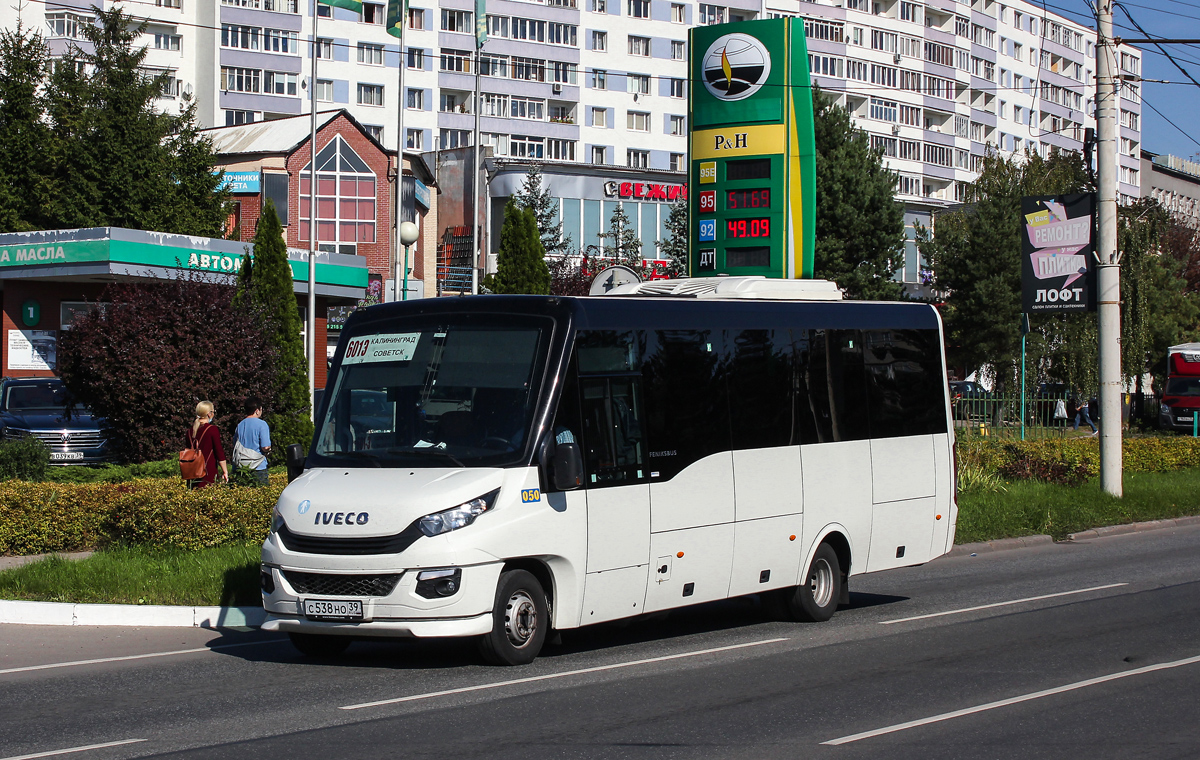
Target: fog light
438	584
266	581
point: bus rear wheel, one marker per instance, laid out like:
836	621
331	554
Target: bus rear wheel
318	645
520	619
816	599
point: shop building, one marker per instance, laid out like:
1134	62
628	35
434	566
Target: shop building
49	277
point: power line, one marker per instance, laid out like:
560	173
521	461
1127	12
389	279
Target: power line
1173	124
1157	45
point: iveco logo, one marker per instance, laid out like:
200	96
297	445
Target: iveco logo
66	438
735	67
341	518
303	506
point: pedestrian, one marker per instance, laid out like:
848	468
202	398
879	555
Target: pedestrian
203	435
253	441
1084	412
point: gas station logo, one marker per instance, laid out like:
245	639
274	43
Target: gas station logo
735	67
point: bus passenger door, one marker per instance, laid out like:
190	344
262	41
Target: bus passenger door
618	498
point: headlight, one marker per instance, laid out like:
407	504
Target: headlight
276	520
458	517
1164	409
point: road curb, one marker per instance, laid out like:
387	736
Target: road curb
1137	527
999	545
130	615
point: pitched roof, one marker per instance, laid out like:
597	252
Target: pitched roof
275	136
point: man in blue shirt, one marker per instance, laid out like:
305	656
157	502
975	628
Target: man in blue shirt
253	440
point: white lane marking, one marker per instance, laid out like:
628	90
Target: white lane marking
1015	700
100	660
564	674
69	750
1002	604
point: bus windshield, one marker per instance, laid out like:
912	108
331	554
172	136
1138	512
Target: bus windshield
436	391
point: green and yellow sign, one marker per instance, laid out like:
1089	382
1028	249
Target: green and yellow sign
752	195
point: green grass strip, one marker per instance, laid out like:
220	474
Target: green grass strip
1027	508
226	575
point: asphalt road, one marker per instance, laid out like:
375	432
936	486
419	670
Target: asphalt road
1071	650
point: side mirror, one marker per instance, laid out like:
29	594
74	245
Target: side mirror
295	461
566	467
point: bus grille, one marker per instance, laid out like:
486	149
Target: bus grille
370	545
341	585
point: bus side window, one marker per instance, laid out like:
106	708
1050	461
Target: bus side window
760	389
904	382
837	385
613	450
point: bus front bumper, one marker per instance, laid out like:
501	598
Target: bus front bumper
385	628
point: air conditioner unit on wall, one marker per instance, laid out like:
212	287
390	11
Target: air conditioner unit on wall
895	131
557	88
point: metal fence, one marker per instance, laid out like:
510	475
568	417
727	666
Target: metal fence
1000	416
453	279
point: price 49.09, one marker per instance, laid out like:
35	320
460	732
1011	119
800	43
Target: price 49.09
736	229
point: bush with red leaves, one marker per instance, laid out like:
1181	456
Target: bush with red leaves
154	350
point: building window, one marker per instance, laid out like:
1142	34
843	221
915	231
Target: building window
234	118
527	108
678	50
279	83
637	121
529	69
599	79
414	139
370	95
910	116
637	159
639	46
598	6
324	11
678	13
457	21
826	65
883	110
244	37
560	150
169	3
598	154
455	138
456	60
324	90
65	25
281	41
639	84
528	29
370	54
167	41
639	8
240	80
713	14
375	131
677	162
415	100
678	125
345	198
566	73
885	146
910	12
324	46
678	88
416	18
599	117
599	41
416	58
910	150
372	13
562	34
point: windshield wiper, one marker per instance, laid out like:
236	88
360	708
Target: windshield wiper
425	451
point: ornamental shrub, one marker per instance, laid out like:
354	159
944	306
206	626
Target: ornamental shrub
36	518
1041	459
143	362
23	458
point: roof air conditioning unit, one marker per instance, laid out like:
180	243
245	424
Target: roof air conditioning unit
557	88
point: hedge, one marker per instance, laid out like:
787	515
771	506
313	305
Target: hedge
36	518
1139	454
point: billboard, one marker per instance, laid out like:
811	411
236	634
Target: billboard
752	175
1058	253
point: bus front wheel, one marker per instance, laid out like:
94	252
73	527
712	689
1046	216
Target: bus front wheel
816	599
520	619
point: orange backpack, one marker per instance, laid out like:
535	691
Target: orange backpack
191	461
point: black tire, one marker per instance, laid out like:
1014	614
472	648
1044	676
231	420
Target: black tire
520	621
318	645
817	599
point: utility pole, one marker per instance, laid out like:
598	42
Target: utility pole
310	327
1108	257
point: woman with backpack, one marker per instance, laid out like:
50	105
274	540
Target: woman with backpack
204	437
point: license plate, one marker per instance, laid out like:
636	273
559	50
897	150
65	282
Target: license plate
333	609
1183	419
62	456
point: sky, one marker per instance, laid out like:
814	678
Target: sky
1178	102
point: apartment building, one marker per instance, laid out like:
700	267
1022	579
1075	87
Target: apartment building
936	84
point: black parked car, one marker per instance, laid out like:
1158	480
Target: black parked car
43	408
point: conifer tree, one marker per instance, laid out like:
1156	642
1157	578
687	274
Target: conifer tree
675	245
521	261
24	134
545	210
860	226
270	288
622	242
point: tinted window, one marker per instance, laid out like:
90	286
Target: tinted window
760	389
613	449
904	378
836	385
686	401
610	350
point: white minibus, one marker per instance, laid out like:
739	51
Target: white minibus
499	467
